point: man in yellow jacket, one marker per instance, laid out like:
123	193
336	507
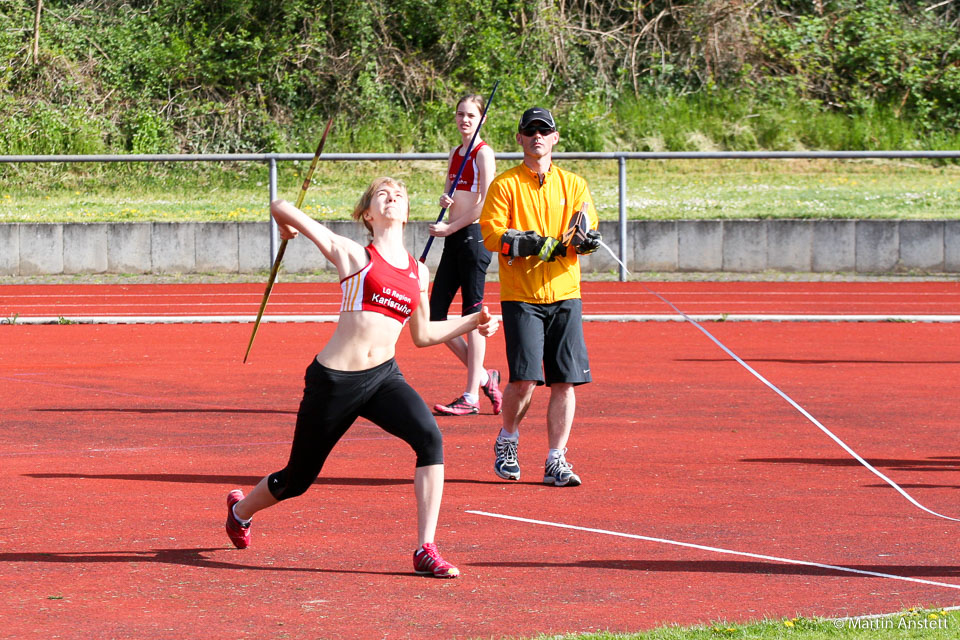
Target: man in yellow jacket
539	218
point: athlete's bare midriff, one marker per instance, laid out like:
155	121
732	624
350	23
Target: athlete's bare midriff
362	340
465	203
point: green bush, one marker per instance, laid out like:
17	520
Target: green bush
252	75
147	132
866	55
47	130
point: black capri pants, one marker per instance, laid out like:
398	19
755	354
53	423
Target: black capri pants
463	265
332	402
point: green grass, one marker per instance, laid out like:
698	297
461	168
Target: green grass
935	624
656	190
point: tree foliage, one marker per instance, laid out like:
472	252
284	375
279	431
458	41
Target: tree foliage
252	75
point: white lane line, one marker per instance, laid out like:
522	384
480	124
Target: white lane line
167	319
19	377
61	452
165	305
700	547
253	295
177	447
595	317
793	303
334	291
769	317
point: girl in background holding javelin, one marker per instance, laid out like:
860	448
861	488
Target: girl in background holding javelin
463	264
355	374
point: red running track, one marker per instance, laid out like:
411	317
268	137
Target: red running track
600	298
119	444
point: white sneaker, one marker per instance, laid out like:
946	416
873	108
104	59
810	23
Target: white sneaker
559	472
506	465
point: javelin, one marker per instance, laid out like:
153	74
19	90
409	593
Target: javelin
466	156
283	244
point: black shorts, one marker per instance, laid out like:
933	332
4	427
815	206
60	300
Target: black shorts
545	342
463	265
332	402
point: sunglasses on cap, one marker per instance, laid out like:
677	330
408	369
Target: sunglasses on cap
533	130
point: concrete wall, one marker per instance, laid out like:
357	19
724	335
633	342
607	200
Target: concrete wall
864	246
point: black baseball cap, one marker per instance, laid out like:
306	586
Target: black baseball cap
536	114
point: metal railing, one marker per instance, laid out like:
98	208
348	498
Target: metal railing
271	159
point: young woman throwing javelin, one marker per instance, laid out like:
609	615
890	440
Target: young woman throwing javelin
355	374
464	261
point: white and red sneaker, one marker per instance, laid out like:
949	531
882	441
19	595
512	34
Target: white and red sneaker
427	562
492	390
459	407
239	534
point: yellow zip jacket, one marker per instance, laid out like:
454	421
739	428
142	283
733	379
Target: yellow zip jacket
517	200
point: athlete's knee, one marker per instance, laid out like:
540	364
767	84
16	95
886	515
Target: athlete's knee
429	446
521	388
284	485
472	308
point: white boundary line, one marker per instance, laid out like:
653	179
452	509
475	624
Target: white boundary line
332	290
165	319
770	317
690	545
653	317
174	447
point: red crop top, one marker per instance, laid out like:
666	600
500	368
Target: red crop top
383	288
470	178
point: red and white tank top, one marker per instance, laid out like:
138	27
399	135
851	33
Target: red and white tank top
470	178
383	288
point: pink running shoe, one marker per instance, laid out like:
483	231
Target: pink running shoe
459	407
427	562
239	534
492	390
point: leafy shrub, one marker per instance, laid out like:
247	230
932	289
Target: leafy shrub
252	75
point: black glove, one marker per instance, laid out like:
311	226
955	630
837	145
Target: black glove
515	243
590	243
551	249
